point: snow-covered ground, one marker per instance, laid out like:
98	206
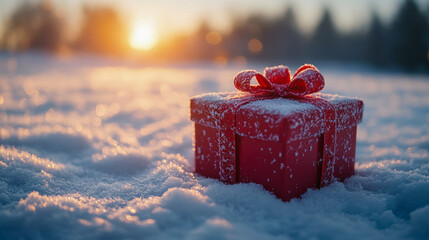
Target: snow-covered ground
93	149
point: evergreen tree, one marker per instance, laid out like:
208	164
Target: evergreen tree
197	47
325	38
290	35
34	26
103	31
377	42
243	30
409	31
271	35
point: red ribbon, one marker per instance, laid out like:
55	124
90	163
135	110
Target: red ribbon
278	81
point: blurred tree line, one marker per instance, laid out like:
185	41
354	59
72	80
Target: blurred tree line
34	26
403	43
40	26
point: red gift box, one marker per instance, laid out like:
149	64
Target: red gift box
281	135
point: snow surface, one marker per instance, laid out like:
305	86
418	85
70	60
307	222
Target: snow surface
94	149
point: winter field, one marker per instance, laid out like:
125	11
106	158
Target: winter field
98	149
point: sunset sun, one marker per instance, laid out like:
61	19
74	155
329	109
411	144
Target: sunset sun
143	36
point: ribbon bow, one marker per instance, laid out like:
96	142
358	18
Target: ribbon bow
277	80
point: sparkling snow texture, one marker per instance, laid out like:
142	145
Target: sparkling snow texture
95	152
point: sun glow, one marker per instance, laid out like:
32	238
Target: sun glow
143	36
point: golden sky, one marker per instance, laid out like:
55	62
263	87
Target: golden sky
172	16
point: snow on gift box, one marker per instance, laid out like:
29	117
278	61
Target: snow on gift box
281	133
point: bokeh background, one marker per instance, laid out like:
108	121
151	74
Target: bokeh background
95	136
389	34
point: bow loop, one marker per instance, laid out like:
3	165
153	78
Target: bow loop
277	80
306	82
243	78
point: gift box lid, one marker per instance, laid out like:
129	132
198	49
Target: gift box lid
273	119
